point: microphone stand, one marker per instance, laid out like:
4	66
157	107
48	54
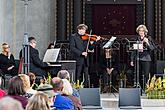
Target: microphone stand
26	46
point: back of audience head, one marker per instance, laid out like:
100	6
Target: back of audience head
26	81
67	88
8	103
16	86
39	101
57	84
63	74
48	90
32	78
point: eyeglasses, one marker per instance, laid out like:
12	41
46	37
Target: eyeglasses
141	30
34	42
6	47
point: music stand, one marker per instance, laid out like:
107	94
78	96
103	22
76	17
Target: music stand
136	46
51	55
108	47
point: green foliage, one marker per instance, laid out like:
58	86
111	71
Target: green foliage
155	87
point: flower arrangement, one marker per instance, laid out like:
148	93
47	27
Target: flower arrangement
78	85
47	80
155	87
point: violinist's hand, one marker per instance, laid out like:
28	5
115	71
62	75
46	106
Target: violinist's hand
146	40
85	54
98	38
11	67
48	63
109	71
132	64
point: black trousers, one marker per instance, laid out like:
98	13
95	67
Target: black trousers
113	77
82	70
144	70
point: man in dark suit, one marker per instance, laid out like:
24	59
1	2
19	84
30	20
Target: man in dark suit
36	65
79	49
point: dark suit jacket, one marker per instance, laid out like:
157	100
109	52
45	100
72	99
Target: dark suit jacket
77	46
145	55
36	64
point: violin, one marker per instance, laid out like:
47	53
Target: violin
91	37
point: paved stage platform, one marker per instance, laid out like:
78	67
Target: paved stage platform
109	101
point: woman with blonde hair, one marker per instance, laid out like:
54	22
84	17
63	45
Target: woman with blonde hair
39	101
68	91
26	84
7	61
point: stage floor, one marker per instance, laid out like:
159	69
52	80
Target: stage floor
110	101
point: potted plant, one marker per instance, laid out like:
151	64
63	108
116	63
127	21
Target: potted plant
122	76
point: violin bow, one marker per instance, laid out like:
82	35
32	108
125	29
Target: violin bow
89	40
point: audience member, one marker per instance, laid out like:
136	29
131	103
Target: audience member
48	89
67	88
64	74
16	90
39	101
33	84
26	84
8	103
68	91
61	102
7	61
2	92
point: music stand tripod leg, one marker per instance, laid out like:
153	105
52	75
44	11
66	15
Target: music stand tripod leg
112	87
138	73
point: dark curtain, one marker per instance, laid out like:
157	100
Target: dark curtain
114	19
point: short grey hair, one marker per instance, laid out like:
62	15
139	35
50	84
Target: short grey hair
8	103
142	26
63	74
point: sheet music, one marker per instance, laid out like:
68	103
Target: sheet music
51	55
138	46
110	42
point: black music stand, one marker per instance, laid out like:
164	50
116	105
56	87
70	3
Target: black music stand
109	46
136	46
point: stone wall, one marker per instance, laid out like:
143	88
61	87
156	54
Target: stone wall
41	20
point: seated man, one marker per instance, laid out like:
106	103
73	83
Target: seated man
61	102
37	66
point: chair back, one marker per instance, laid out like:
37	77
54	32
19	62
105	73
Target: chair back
20	65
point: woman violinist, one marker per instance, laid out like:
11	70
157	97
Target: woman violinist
80	43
